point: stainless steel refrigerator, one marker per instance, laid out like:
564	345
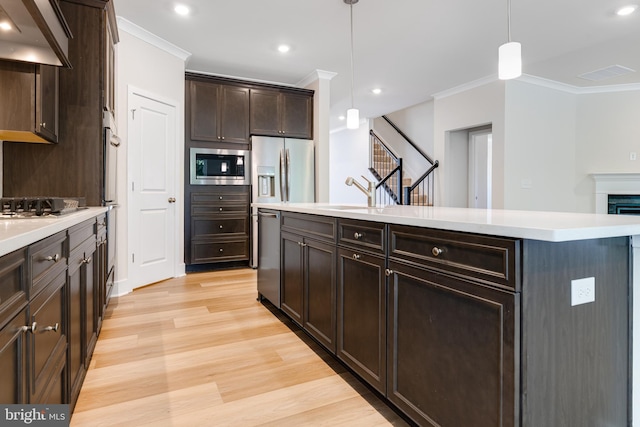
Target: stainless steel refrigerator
282	170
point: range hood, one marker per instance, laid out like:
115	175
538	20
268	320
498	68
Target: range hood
34	31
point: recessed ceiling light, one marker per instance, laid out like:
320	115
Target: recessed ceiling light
5	26
341	118
627	10
376	91
283	48
181	10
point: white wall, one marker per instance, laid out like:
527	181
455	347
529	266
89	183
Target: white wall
608	130
159	71
540	147
349	156
477	106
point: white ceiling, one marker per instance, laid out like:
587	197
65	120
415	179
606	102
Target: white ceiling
411	49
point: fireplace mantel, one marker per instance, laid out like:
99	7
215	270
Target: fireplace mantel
614	183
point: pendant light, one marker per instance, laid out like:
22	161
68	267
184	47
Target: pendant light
509	54
353	115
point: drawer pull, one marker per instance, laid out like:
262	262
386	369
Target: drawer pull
53	328
220	227
85	260
388	272
220	209
54	258
220	198
221	250
356	256
357	235
32	328
302	244
436	251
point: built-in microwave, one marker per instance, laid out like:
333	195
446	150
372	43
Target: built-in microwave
211	166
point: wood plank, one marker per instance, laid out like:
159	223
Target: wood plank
200	350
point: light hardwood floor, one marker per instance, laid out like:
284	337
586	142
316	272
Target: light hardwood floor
201	351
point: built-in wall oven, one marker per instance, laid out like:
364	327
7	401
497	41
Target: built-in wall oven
210	166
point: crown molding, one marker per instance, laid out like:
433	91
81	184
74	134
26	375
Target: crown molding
316	75
465	87
144	35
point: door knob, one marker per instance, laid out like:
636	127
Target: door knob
172	200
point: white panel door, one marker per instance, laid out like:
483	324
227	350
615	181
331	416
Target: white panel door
152	142
480	153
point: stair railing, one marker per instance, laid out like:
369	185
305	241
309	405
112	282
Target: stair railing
386	167
421	192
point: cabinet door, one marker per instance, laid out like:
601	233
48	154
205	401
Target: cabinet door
292	276
234	114
452	350
265	114
13	350
320	292
362	315
203	109
46	124
91	295
296	119
75	361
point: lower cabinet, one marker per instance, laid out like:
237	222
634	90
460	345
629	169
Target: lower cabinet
14	387
362	314
83	325
451	349
308	286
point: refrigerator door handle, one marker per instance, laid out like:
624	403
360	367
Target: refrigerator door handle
288	173
282	177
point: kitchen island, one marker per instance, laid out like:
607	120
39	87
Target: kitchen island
467	316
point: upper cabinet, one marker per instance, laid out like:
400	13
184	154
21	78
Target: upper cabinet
218	113
281	113
30	100
109	74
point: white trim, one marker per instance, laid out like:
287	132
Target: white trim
465	87
144	35
316	75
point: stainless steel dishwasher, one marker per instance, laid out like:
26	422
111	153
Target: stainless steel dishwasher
269	256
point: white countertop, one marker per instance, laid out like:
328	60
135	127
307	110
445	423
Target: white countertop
536	225
18	233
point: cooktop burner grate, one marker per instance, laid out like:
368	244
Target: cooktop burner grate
39	206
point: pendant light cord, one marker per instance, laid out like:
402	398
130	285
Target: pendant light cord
351	18
509	20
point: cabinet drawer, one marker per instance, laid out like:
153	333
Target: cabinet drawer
47	258
81	232
219	209
219	251
220	197
13	284
484	258
203	227
81	255
316	226
363	235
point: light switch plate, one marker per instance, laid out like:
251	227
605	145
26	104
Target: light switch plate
583	291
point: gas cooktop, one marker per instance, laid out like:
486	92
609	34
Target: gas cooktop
39	207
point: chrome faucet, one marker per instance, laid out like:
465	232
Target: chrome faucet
370	191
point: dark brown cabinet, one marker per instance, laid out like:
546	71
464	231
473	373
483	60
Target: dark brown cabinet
281	113
83	95
362	300
308	289
83	324
30	95
218	113
218	225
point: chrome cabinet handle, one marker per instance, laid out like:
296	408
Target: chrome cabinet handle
436	251
357	235
86	260
54	258
53	328
356	256
32	328
221	250
301	244
220	227
388	272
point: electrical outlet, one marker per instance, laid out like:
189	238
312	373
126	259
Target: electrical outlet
633	155
583	291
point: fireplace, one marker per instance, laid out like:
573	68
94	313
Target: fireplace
624	204
622	190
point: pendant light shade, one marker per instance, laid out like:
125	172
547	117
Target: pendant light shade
509	61
509	54
353	118
353	115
